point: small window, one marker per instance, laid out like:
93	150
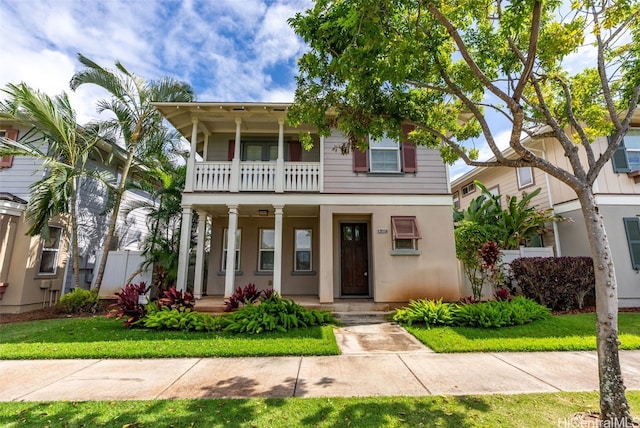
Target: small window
405	233
632	144
525	177
469	188
50	251
456	200
384	155
302	262
267	250
632	228
224	249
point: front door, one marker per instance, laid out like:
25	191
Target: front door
354	260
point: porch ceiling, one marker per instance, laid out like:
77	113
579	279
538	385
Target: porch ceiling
220	117
254	210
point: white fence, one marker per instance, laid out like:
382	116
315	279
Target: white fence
120	266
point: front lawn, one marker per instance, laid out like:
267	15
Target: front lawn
525	410
557	333
100	337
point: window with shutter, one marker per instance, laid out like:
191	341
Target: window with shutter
632	228
405	233
11	134
409	152
626	158
360	161
295	151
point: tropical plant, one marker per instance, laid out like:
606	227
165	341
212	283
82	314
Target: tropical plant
136	122
449	68
63	147
470	238
246	295
130	305
426	311
175	299
78	301
185	320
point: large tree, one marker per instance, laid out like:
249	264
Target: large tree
136	124
63	147
448	66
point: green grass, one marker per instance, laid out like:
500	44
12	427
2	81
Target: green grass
527	410
100	337
558	333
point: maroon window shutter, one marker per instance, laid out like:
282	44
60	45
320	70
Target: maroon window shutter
7	161
360	160
232	148
409	161
295	151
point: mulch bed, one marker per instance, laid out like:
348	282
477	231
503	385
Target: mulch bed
44	314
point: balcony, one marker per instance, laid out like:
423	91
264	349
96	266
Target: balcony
256	177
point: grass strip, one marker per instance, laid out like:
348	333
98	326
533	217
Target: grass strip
574	332
525	410
100	337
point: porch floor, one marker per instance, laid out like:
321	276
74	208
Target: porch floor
216	304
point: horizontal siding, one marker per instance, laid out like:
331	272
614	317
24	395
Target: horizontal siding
219	145
430	178
23	173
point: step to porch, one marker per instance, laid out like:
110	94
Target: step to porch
361	318
215	304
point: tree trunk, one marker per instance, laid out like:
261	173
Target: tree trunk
74	234
613	404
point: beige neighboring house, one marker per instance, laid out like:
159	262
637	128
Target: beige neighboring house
617	190
375	226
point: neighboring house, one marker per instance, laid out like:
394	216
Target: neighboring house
374	225
617	190
38	272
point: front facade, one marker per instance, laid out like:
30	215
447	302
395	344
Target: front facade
617	191
373	225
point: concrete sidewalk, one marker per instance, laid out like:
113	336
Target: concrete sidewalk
392	374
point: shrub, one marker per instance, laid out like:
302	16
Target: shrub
273	313
243	295
502	293
560	283
176	319
174	299
500	313
79	300
128	304
429	312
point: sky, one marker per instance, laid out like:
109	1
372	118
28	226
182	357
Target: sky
227	50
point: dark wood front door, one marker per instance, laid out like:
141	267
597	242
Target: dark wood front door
354	252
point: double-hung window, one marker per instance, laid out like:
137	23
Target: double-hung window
525	176
384	155
405	233
627	157
50	251
302	262
632	228
224	249
266	250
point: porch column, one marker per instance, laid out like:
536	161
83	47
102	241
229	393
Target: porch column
234	186
199	271
280	161
231	251
277	250
185	249
325	239
191	162
321	178
6	246
205	148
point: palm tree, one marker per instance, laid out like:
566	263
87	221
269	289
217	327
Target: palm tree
137	124
55	138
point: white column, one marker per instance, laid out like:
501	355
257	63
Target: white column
321	178
191	162
205	148
325	239
280	161
185	249
229	279
234	186
199	271
277	250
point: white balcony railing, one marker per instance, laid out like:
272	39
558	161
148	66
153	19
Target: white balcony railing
256	177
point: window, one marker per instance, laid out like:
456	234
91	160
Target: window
11	134
525	176
384	155
266	253
469	188
260	151
224	249
632	228
405	233
302	262
456	200
627	157
49	252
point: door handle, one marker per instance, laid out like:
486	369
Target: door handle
366	273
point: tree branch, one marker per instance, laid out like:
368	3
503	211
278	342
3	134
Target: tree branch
531	50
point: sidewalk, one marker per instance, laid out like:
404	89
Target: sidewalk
378	360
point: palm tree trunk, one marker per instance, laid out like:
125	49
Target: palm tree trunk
74	233
614	407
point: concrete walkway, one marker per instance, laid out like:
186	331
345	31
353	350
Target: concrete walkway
371	365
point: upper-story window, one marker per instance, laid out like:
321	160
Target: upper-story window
49	252
468	188
525	176
627	157
12	134
266	151
384	155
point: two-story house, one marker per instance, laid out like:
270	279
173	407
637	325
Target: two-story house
374	225
617	191
35	272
